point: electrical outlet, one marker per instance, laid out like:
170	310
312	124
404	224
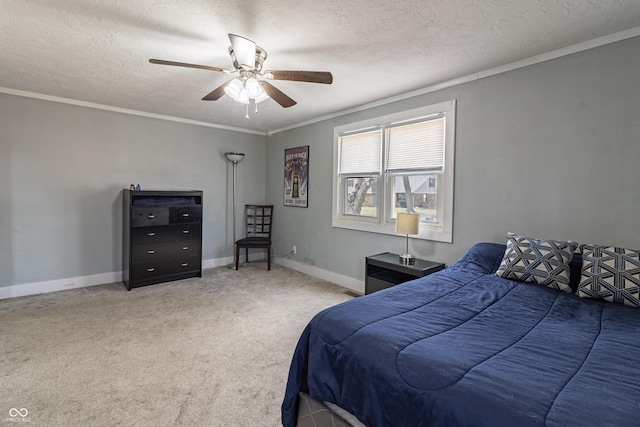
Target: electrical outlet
295	250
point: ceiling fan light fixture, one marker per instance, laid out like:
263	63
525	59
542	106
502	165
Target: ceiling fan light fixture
243	98
243	91
253	87
234	88
263	95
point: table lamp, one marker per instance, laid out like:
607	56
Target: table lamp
407	223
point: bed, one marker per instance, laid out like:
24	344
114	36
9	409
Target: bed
467	347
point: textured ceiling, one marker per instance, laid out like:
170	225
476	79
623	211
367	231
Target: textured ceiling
97	51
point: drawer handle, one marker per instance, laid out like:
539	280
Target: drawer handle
185	215
184	264
151	234
185	231
151	216
151	251
185	248
151	269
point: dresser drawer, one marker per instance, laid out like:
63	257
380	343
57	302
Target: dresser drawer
159	250
158	268
145	216
185	214
165	233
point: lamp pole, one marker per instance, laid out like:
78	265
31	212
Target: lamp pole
235	159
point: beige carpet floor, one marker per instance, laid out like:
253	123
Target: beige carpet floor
213	351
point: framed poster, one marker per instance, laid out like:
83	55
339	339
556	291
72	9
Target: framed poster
296	176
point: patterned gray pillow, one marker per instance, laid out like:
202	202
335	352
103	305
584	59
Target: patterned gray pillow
611	274
545	262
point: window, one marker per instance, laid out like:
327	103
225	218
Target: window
397	163
361	159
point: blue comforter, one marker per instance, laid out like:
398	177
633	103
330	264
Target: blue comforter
463	347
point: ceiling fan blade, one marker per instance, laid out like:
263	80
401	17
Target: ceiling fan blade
216	93
277	95
302	76
184	64
244	49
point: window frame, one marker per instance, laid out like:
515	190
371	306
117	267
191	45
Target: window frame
441	231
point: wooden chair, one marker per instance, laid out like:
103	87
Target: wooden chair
257	228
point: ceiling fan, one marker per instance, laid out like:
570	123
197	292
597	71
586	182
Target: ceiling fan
252	84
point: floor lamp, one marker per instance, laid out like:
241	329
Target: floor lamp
234	158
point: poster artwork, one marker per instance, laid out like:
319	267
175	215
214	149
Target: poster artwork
296	176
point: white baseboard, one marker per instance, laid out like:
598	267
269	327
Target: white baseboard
311	270
217	262
14	291
329	276
221	262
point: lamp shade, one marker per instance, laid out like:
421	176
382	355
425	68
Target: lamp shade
234	88
253	87
234	157
407	223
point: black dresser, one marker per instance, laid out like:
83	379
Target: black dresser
162	236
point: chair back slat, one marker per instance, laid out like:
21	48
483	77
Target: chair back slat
258	220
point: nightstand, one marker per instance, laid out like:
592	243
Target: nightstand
384	271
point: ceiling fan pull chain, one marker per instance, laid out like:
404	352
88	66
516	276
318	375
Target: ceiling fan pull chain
246	116
254	101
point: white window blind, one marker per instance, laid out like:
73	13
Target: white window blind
361	152
416	146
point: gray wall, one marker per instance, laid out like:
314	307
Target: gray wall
63	168
550	150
